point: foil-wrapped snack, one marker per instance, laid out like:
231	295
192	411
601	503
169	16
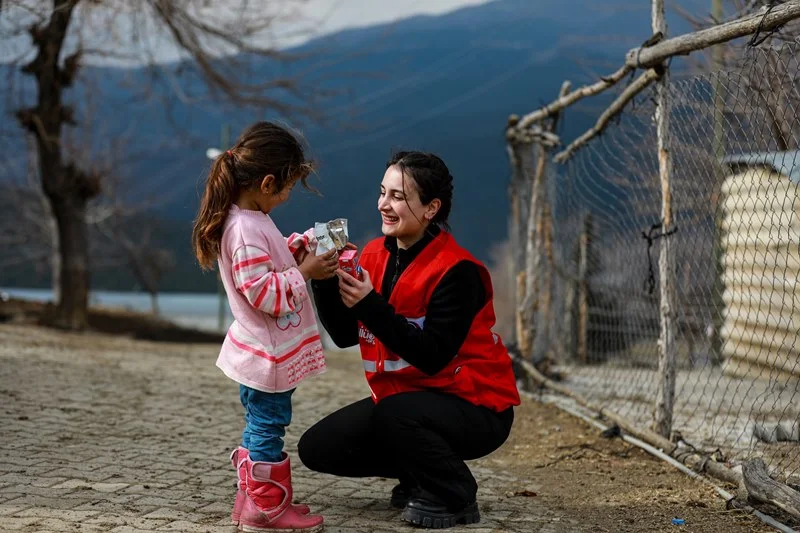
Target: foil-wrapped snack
324	242
331	235
338	231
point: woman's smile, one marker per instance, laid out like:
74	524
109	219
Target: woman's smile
389	220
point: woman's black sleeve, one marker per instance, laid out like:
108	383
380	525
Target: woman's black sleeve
454	303
337	319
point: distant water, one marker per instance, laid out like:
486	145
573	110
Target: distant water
196	310
193	310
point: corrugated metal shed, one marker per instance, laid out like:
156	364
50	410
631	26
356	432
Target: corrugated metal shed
761	260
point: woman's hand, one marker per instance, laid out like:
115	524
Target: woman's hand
352	289
319	266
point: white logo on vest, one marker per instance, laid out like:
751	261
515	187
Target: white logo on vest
364	333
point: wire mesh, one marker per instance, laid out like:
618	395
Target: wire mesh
735	235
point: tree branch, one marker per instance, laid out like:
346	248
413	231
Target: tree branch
568	99
684	44
763	488
615	108
654	54
192	36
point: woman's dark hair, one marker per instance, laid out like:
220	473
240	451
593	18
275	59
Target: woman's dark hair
432	178
263	149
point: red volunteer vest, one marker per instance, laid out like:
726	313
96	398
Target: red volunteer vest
481	371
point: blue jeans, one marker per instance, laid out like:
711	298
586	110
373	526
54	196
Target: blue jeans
266	415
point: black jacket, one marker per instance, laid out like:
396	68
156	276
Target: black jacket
453	305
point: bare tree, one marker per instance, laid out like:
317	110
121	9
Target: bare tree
772	78
146	262
26	228
26	225
63	34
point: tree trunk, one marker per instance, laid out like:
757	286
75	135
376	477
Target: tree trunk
55	260
66	188
55	256
70	215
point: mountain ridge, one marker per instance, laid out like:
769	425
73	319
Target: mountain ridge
439	83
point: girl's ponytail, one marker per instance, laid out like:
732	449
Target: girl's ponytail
220	193
263	149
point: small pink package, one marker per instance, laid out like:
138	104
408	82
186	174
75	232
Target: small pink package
348	261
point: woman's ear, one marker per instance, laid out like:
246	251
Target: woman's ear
432	208
266	184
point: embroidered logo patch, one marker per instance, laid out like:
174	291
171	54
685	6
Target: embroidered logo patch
292	319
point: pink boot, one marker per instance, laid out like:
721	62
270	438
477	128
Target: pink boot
238	458
268	504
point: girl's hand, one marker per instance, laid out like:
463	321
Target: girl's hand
319	266
300	255
352	289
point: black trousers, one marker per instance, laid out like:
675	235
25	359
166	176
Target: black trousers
420	438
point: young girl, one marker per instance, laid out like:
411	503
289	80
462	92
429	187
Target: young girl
273	343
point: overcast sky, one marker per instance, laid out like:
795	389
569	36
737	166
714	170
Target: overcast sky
348	13
317	17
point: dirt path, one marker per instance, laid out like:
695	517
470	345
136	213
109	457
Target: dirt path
103	433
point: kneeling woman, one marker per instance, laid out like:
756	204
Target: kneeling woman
441	380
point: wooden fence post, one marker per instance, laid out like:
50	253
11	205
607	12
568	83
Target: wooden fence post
519	192
529	308
534	326
583	290
665	395
548	315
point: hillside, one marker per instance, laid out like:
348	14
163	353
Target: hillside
444	84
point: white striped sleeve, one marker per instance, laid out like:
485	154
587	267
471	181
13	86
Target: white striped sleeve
275	293
305	240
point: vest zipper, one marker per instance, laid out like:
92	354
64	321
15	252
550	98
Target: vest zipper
396	274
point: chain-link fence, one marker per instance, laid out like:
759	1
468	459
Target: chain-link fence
735	240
